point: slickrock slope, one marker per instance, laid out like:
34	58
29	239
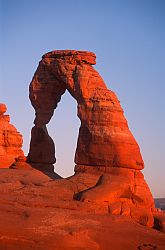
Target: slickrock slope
105	146
38	212
10	140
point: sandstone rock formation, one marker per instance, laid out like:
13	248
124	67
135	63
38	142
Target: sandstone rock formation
10	140
42	149
104	137
42	215
105	147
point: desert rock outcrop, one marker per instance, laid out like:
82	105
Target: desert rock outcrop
10	140
38	212
105	147
104	137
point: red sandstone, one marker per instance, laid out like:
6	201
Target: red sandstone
10	140
38	212
105	144
100	205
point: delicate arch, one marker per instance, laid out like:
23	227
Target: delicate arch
104	137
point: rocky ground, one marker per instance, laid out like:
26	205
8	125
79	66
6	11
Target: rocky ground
38	212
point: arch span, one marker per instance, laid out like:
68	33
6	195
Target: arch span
104	137
107	154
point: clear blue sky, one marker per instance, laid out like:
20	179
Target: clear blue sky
128	37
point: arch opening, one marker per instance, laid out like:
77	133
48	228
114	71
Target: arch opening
63	129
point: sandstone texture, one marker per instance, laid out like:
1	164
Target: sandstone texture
104	137
38	212
42	148
10	140
106	147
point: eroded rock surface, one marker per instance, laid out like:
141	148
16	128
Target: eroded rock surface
38	212
104	137
10	140
105	146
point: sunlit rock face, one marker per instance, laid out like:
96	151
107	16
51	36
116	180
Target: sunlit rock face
105	146
10	140
104	137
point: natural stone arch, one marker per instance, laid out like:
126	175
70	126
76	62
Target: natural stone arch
107	152
104	137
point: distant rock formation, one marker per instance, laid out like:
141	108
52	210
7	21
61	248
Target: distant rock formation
160	203
10	140
105	146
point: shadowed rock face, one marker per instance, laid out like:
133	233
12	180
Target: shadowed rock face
105	146
10	140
